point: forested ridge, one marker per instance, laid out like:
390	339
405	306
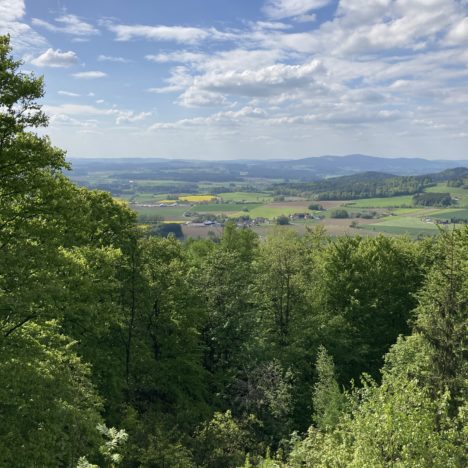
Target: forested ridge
122	349
369	185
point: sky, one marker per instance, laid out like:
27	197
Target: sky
265	79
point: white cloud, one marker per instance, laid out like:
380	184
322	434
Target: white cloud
179	79
22	36
55	59
78	109
367	67
260	82
68	93
306	18
181	57
198	89
78	114
272	25
227	118
165	89
108	58
458	34
397	67
278	9
240	59
194	97
11	10
181	34
130	116
89	75
68	24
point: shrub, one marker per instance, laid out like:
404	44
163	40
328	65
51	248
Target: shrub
282	220
339	213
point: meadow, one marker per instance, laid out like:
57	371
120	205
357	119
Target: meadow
403	225
390	202
246	197
458	193
254	198
225	207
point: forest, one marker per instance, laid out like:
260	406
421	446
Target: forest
368	185
121	348
432	199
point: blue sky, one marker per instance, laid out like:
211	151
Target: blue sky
226	79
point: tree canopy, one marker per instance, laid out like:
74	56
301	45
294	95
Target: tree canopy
122	347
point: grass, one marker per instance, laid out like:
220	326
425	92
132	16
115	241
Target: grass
141	197
273	211
450	213
224	207
389	202
166	201
402	211
459	193
398	230
166	212
157	182
245	197
402	225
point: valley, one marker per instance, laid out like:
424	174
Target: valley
202	199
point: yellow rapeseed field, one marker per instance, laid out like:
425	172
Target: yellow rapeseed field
197	198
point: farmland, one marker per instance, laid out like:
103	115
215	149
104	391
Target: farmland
225	207
246	197
391	202
203	201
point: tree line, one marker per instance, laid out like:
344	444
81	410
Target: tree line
120	348
368	185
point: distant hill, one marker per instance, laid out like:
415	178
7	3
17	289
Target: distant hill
368	185
306	169
326	166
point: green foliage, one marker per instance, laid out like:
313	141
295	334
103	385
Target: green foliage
203	352
48	405
328	401
442	312
397	424
222	442
432	199
151	442
266	391
363	185
280	285
365	298
339	213
166	229
282	220
242	241
114	440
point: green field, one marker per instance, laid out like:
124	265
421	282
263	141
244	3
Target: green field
157	182
167	212
224	207
409	211
246	197
395	215
460	194
451	213
389	202
403	225
273	211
